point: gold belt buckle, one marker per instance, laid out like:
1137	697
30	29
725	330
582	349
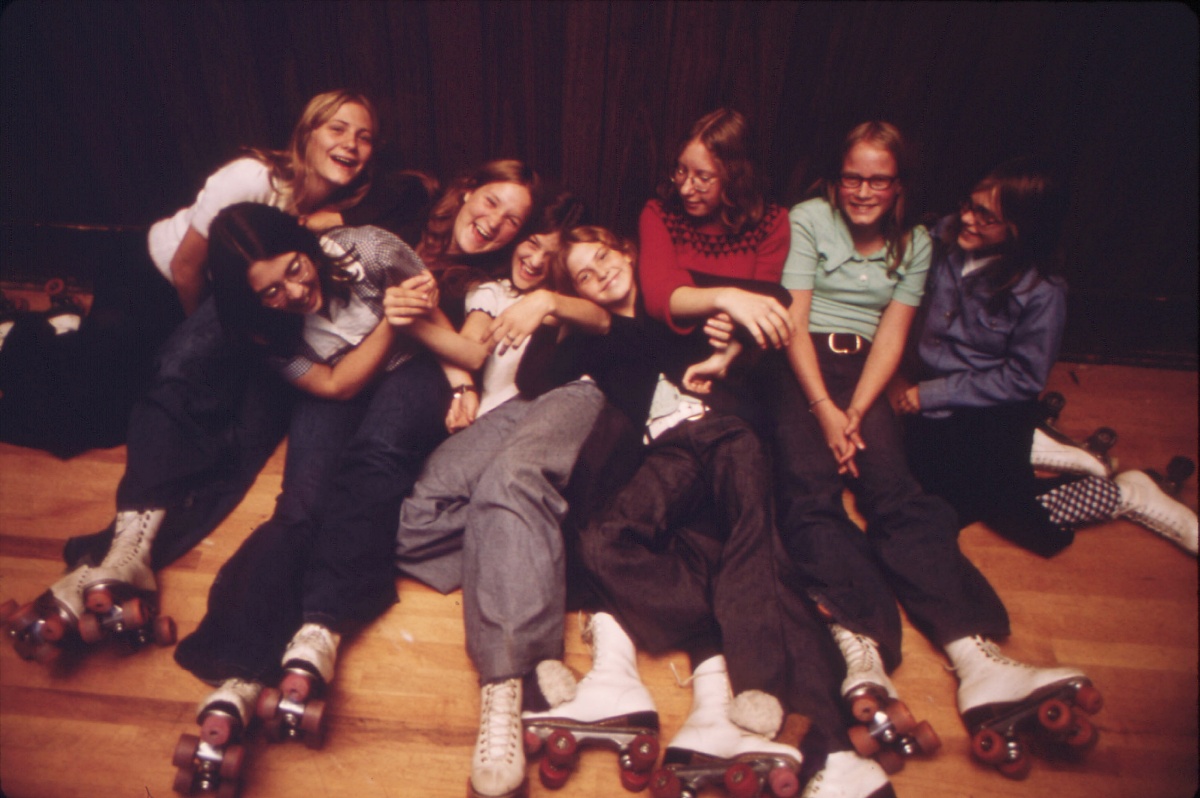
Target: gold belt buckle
833	346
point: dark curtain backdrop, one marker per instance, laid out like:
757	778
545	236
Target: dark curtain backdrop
114	112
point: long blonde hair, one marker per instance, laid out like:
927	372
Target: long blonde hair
289	167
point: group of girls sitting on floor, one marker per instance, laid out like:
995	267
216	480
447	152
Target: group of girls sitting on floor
522	395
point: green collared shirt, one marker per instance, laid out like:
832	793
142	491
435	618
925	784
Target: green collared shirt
850	290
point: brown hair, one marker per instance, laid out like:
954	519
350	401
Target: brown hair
289	168
560	275
726	135
897	225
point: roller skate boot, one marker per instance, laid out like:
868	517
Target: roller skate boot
726	743
1056	452
65	314
610	707
212	762
887	730
42	628
294	710
121	596
848	775
498	764
1003	701
1145	503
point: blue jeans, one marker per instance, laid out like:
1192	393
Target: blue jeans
326	554
496	490
910	550
197	440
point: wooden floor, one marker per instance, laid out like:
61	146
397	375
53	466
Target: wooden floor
1121	603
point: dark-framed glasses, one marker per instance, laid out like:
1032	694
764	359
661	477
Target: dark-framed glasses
981	215
875	182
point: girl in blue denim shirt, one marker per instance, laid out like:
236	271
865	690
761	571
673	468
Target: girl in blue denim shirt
991	327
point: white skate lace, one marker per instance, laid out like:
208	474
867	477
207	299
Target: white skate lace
500	730
1157	517
858	650
127	546
992	651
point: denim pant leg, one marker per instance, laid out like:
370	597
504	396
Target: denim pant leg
829	555
351	576
915	538
197	440
652	579
429	540
254	602
253	607
514	574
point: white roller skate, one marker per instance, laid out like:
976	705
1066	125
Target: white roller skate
999	697
848	775
727	743
887	729
294	711
121	594
1145	503
498	764
41	628
610	707
1054	452
212	761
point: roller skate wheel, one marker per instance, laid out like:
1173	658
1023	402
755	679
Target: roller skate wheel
1102	440
891	761
863	742
783	783
232	759
1017	768
901	718
552	776
53	628
184	779
90	629
217	728
533	743
296	687
635	780
1082	735
1089	699
312	724
185	752
561	746
268	703
988	747
664	783
643	753
133	614
741	781
1054	715
864	707
99	600
165	631
927	739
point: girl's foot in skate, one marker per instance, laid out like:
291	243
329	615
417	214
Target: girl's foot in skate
1001	700
498	764
212	761
610	707
886	730
294	711
41	629
727	743
848	775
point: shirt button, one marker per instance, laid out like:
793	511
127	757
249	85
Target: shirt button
862	278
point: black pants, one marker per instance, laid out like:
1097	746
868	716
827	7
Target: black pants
910	550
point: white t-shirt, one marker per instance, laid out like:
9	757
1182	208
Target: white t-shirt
243	180
499	371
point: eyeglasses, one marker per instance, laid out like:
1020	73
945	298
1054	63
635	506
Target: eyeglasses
982	216
875	182
700	182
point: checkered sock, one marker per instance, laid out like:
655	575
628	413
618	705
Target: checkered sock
1083	501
